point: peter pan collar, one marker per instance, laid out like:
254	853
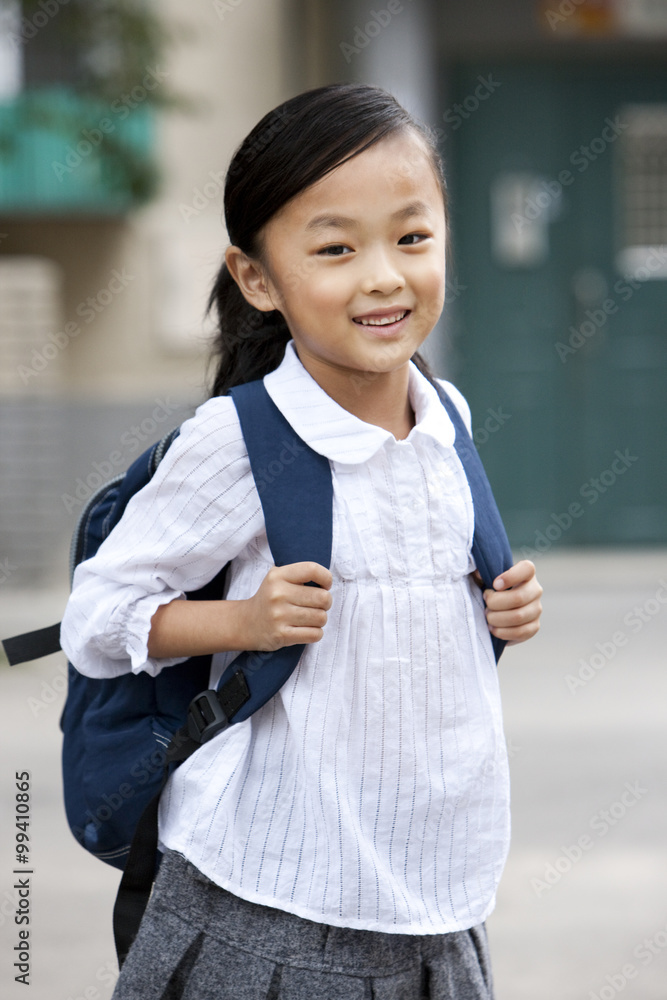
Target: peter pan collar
334	432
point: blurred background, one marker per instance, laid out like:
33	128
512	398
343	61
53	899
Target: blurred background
117	121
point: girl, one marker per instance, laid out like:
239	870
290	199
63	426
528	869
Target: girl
346	840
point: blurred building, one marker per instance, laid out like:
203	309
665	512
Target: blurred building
553	124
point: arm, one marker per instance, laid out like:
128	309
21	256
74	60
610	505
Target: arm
199	511
283	612
513	607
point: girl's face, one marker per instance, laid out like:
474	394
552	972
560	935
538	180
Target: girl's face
356	262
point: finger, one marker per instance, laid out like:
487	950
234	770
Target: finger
305	616
301	596
296	636
515	618
519	634
505	600
514	576
306	572
507	627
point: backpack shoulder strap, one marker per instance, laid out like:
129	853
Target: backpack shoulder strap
288	475
490	545
296	491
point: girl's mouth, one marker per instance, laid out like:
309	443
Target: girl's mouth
386	320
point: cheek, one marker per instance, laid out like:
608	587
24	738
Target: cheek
432	288
327	291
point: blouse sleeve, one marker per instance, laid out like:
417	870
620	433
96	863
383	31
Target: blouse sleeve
199	511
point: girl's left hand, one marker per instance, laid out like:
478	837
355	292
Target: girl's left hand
513	607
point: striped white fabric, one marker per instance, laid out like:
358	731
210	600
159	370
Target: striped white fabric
372	791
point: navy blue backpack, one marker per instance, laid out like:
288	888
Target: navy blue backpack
123	736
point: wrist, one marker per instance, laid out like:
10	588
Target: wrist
199	628
236	625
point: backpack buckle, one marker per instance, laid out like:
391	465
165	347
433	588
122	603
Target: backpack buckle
206	717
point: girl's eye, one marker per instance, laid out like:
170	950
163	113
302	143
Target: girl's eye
335	250
413	238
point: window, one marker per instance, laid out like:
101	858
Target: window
641	178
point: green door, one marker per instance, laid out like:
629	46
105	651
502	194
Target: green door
558	177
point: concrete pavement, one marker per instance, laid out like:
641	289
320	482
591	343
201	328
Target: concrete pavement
582	907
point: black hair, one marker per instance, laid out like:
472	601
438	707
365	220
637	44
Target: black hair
288	150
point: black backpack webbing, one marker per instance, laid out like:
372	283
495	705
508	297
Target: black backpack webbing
204	719
32	645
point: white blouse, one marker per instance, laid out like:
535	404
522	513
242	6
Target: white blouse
372	791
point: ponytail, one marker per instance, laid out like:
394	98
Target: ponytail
423	366
250	343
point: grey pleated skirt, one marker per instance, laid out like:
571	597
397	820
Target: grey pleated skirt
199	942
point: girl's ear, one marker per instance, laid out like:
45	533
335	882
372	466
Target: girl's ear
250	277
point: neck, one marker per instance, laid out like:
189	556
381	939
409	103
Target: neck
379	398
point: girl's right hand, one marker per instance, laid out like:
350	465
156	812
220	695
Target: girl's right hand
285	611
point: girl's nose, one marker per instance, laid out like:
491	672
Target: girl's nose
381	275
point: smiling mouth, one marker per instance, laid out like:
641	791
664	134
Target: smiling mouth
382	320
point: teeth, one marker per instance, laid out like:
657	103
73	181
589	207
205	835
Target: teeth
384	321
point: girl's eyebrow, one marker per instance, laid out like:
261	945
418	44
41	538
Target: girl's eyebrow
330	222
344	222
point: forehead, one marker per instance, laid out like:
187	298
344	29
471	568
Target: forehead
396	170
